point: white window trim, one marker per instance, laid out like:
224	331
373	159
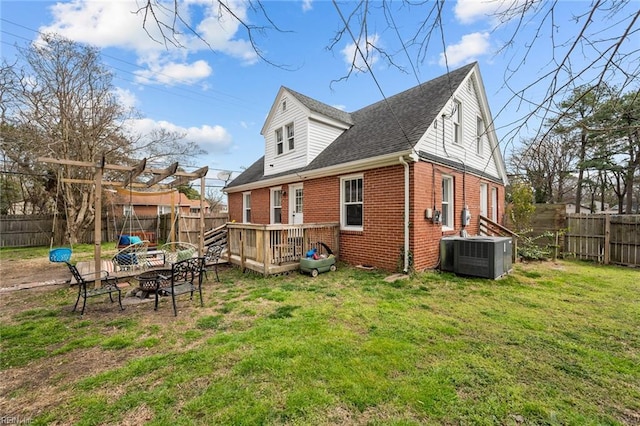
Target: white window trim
480	135
292	138
272	207
484	199
244	206
450	203
166	209
279	132
494	204
343	212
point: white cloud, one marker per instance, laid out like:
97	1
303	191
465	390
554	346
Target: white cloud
470	11
351	56
470	47
175	73
119	24
126	97
307	5
209	138
101	23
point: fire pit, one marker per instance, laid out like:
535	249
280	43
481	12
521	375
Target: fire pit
148	281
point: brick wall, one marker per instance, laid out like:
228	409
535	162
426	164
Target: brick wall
381	242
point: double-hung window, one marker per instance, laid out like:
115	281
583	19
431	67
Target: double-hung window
166	210
480	136
276	205
351	216
246	207
289	130
279	142
447	202
457	121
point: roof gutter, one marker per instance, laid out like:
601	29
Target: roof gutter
351	167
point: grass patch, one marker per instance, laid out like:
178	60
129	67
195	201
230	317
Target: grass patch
553	343
209	322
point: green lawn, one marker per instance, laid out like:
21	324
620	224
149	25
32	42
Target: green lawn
552	343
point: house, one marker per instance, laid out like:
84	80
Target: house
397	175
147	204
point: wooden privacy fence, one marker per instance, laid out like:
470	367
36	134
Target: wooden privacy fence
604	238
36	230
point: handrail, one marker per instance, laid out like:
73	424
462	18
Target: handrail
502	231
501	228
216	236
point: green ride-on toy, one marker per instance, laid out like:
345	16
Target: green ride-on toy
314	263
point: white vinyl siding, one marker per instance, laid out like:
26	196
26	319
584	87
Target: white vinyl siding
304	135
320	136
447	202
278	160
431	141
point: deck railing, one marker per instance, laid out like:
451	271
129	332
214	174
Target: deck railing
494	229
274	249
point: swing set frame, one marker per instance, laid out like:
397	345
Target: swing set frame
158	175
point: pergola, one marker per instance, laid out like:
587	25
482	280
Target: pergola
158	175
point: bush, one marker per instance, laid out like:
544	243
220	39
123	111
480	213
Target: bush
530	248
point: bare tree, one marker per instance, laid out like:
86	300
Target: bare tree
61	103
605	52
547	166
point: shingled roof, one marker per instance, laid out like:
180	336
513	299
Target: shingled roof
392	125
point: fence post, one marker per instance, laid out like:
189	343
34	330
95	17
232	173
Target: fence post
607	239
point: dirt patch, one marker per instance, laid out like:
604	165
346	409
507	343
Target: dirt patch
24	272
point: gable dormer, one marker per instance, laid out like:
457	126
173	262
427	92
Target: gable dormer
297	129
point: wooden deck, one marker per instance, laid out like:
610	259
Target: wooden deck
274	249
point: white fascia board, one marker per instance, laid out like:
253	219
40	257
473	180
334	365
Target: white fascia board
276	103
330	121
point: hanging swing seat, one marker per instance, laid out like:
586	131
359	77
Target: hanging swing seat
132	257
177	251
135	237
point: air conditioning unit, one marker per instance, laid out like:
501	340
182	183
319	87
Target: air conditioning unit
446	253
485	257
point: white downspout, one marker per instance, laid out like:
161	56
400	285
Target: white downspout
406	214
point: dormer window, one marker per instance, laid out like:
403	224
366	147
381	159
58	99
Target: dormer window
289	128
279	142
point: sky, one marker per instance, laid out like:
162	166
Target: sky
217	90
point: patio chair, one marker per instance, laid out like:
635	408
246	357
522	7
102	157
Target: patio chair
211	258
186	277
104	284
132	257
